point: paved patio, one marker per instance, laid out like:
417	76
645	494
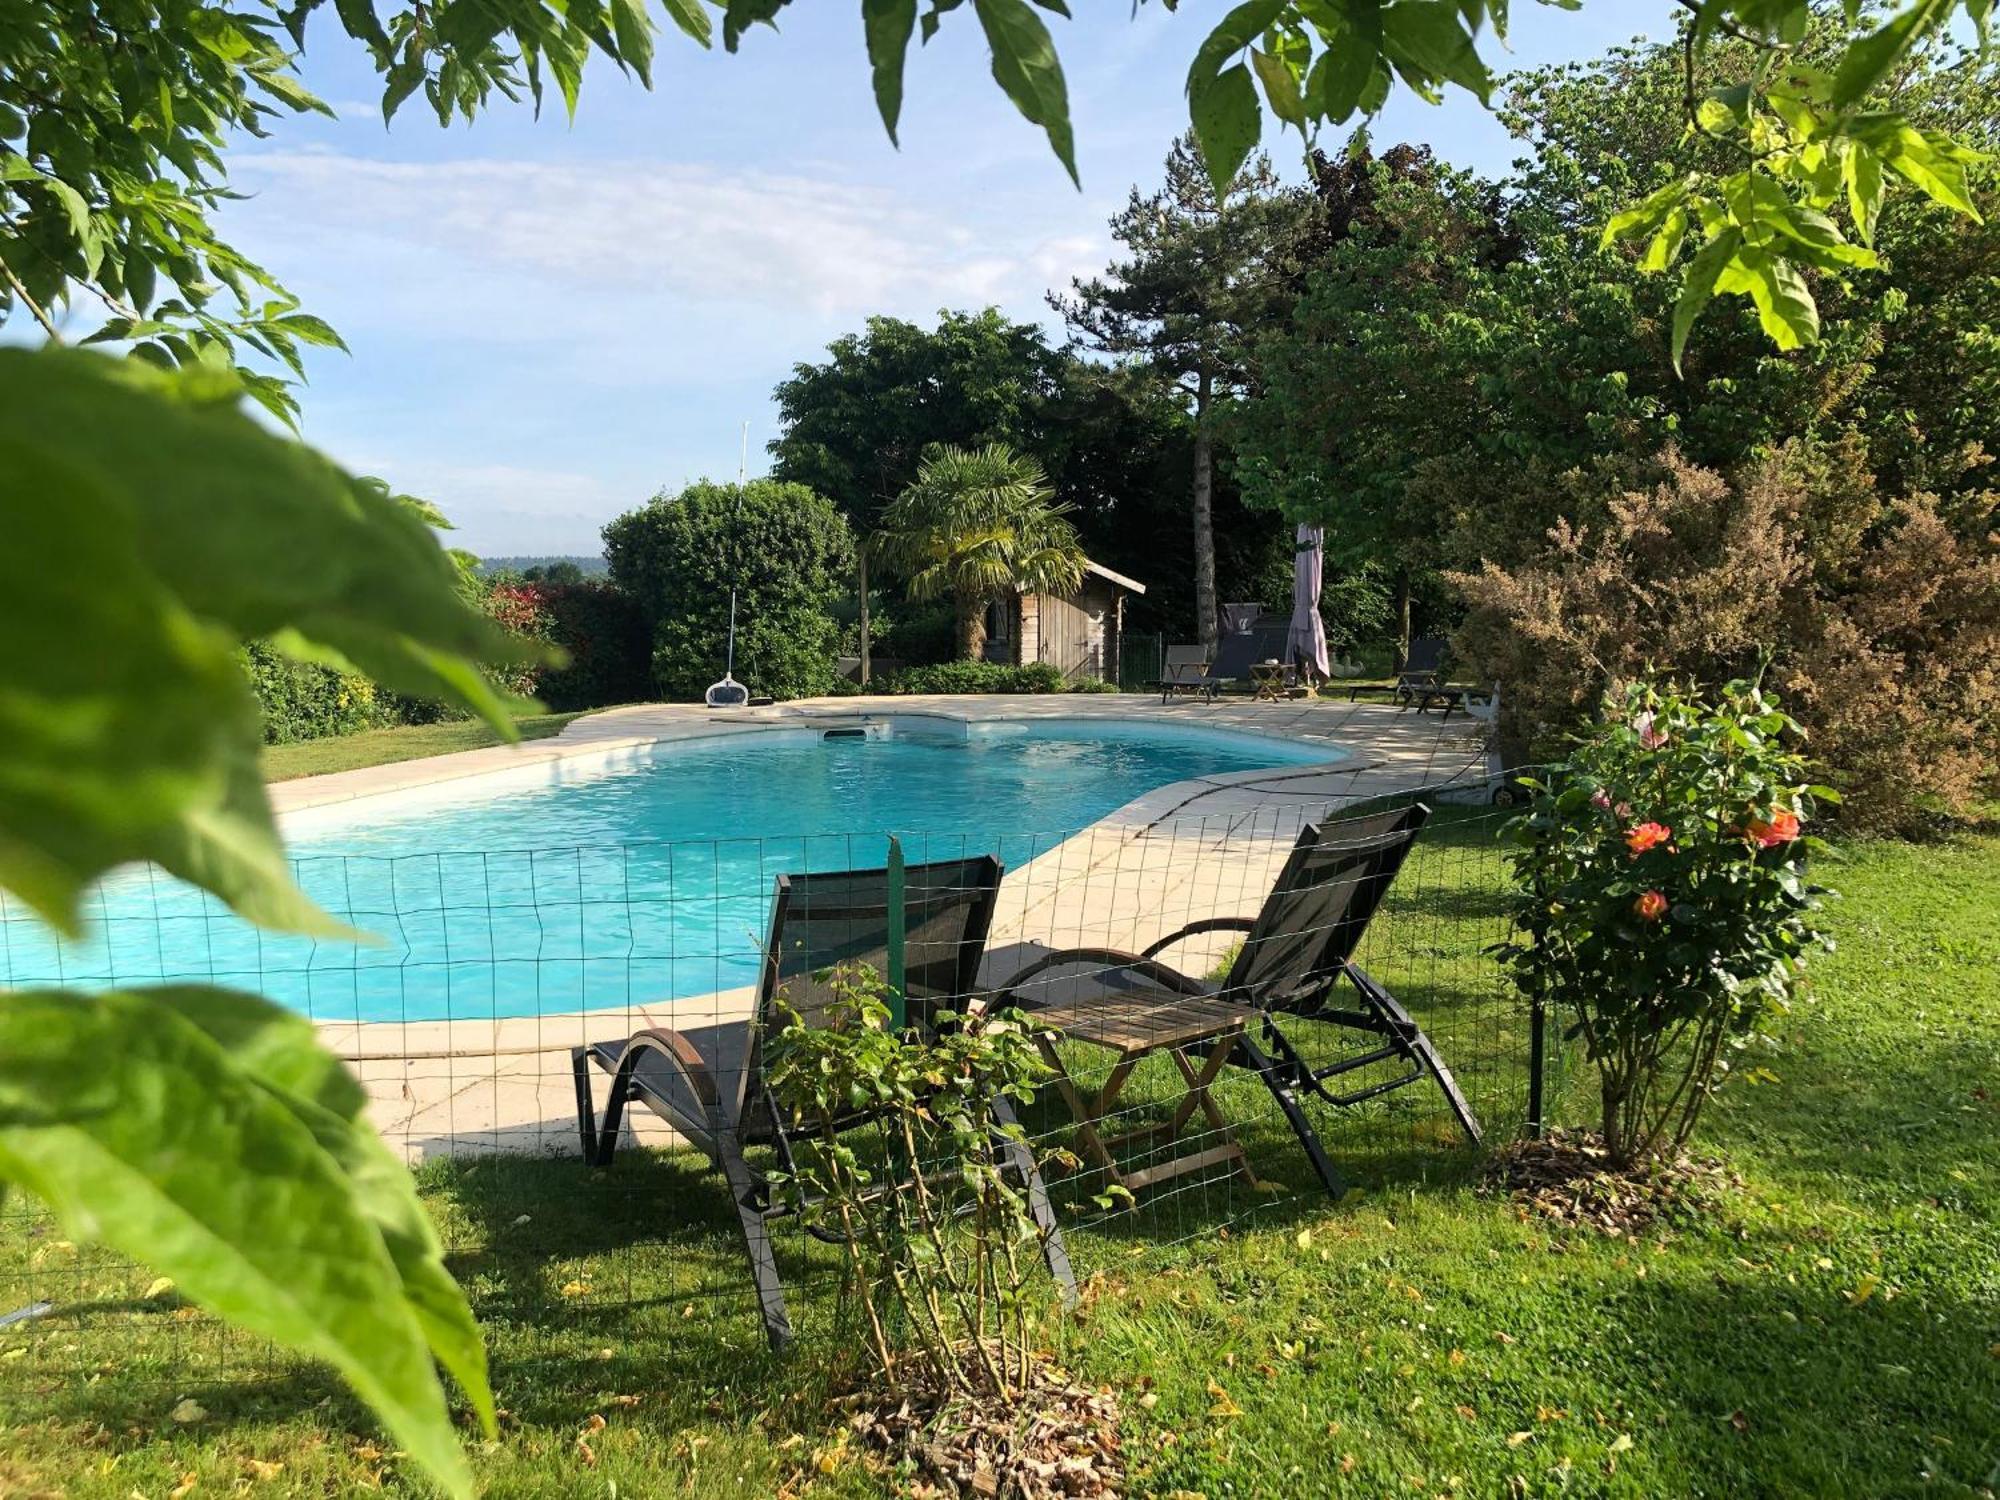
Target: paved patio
1195	848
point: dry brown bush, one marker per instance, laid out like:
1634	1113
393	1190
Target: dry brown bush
1880	616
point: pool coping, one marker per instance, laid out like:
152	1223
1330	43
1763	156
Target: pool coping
1383	748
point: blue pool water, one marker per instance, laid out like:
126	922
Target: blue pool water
623	886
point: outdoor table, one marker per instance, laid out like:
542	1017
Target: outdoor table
1134	1028
1269	679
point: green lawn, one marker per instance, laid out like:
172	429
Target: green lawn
378	747
1832	1330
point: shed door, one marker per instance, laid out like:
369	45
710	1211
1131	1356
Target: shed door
1069	640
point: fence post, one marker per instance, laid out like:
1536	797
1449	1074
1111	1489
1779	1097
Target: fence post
1538	1026
897	1009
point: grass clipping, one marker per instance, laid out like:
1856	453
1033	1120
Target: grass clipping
1055	1440
1564	1177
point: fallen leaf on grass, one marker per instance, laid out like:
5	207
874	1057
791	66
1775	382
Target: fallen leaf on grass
1864	1289
1740	1422
187	1409
1515	1439
263	1468
1622	1443
1468	1413
160	1287
1505	1338
1150	1400
575	1289
586	1453
1224	1407
1347	1463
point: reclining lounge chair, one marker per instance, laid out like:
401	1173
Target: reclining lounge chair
1185	670
708	1081
1296	954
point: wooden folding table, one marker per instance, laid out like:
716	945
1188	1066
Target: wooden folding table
1134	1025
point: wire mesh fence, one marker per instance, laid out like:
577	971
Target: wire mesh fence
1250	1008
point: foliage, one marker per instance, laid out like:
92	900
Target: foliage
115	1109
302	701
939	1244
1663	900
919	633
602	632
154	528
974	524
857	424
1880	616
784	551
980	677
1208	262
1459	346
517	608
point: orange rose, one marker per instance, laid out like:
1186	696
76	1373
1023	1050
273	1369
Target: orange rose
1782	829
1650	907
1645	836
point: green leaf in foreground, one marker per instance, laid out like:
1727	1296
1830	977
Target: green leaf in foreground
127	731
1227	122
151	526
1028	71
888	24
141	1130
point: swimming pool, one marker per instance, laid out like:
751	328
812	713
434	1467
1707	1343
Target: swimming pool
616	884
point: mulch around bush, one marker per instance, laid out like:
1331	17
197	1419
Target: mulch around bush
1564	1177
1058	1441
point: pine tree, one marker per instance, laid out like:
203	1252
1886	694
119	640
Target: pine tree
1203	273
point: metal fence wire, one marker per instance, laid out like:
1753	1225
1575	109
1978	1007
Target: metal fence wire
489	1023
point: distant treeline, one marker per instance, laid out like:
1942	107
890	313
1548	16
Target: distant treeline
592	567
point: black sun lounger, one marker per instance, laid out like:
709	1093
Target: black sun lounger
708	1081
1297	955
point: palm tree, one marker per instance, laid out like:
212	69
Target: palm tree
975	523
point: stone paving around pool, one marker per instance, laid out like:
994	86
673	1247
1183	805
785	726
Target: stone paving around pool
1209	847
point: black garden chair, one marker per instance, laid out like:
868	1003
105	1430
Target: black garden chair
708	1081
1297	954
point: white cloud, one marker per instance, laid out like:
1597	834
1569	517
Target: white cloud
610	232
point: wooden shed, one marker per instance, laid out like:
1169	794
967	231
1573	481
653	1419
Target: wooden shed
1081	633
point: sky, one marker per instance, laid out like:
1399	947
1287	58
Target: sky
550	321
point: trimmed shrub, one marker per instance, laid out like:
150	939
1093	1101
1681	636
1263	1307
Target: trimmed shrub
1879	617
980	677
786	551
610	649
517	609
302	701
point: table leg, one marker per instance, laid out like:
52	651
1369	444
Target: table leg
1198	1097
1088	1112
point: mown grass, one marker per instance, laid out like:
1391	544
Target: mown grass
1831	1329
379	747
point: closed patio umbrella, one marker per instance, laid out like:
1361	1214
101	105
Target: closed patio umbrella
1305	643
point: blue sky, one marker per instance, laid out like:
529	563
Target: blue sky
550	322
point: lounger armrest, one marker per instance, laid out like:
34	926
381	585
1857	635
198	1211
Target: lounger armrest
1108	958
679	1051
1206	924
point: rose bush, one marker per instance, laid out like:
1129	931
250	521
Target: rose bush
1664	905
